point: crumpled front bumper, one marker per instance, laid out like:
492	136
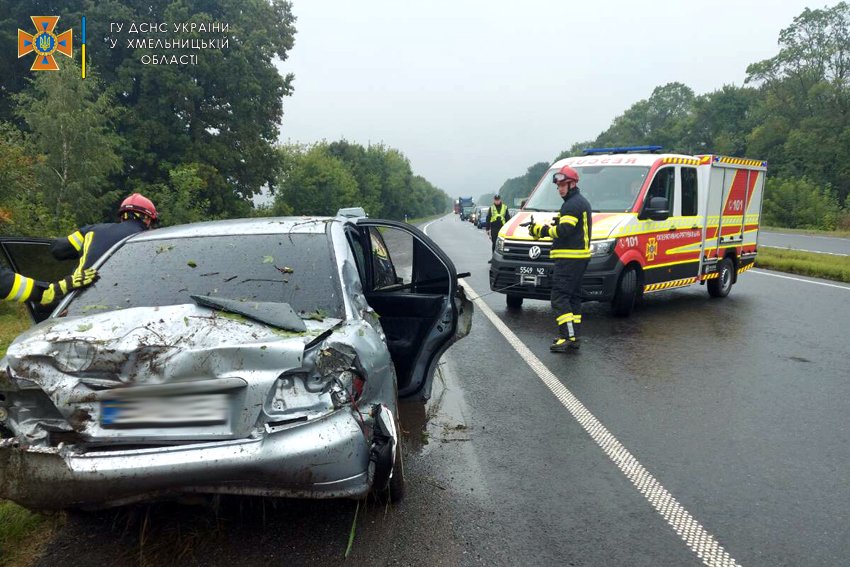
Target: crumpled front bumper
326	458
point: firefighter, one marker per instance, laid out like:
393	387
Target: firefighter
570	233
15	287
136	213
497	216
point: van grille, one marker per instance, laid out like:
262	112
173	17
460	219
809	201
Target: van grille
519	251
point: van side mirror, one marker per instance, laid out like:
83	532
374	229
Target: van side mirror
522	204
657	209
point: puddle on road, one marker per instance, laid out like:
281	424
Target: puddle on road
440	420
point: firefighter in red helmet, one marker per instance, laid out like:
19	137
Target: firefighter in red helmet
89	243
570	234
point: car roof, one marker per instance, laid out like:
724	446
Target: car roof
264	225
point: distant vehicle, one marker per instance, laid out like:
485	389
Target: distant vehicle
352	212
466	205
481	221
660	221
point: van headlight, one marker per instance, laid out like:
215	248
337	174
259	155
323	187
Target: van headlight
500	244
602	247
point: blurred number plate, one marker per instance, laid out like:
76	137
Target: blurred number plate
174	411
533	271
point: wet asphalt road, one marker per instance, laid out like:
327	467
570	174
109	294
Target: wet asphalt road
736	406
824	244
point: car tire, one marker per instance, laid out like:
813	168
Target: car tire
722	284
396	487
397	482
514	301
626	293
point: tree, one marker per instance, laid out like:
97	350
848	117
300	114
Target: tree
518	188
313	183
223	111
799	203
70	123
805	107
660	120
21	204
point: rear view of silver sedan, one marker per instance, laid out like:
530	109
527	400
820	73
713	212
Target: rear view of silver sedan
253	356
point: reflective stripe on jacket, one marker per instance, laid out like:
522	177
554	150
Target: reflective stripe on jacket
571	235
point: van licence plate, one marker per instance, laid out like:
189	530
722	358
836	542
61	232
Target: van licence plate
533	271
173	411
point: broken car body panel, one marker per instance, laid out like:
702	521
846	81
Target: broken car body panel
133	390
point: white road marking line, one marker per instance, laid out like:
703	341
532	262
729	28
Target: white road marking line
803	250
692	533
762	272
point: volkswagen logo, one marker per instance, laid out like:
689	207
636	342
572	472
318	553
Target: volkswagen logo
534	252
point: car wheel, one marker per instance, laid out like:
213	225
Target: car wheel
514	301
722	284
624	297
397	482
395	488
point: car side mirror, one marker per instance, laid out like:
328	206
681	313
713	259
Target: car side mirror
657	209
522	205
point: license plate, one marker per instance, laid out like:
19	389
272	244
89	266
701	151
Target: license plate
174	411
533	271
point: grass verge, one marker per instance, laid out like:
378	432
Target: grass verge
22	533
812	264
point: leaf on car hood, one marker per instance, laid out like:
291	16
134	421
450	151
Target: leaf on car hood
280	315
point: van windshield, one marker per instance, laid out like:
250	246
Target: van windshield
609	188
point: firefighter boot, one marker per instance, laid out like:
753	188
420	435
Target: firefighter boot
567	342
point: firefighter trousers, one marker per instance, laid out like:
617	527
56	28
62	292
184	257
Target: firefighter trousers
566	295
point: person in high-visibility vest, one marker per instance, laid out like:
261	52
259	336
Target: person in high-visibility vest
15	287
570	236
497	216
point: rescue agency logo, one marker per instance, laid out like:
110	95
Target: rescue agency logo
534	252
44	43
651	249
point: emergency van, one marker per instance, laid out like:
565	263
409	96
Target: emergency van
660	221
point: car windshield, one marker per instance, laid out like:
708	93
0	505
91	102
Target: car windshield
298	269
608	188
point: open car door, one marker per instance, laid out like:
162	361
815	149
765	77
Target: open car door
412	284
31	257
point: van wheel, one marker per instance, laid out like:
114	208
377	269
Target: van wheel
722	284
624	297
514	301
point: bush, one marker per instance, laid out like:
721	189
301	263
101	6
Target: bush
800	203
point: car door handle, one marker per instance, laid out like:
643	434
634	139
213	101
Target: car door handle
672	228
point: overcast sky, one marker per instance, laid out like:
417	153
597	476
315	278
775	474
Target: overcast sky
473	92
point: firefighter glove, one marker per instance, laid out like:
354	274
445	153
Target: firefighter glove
60	289
536	230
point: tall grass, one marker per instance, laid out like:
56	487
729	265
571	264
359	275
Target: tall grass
22	533
812	264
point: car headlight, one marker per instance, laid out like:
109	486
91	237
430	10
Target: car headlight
500	244
602	247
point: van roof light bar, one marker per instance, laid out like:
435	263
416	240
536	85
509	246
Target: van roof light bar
622	150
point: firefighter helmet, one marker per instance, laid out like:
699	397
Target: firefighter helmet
566	173
138	203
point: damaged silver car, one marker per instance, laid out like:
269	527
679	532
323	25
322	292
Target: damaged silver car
251	356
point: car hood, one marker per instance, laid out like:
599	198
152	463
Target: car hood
154	345
605	225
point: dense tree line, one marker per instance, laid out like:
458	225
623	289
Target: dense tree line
793	111
322	178
198	139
